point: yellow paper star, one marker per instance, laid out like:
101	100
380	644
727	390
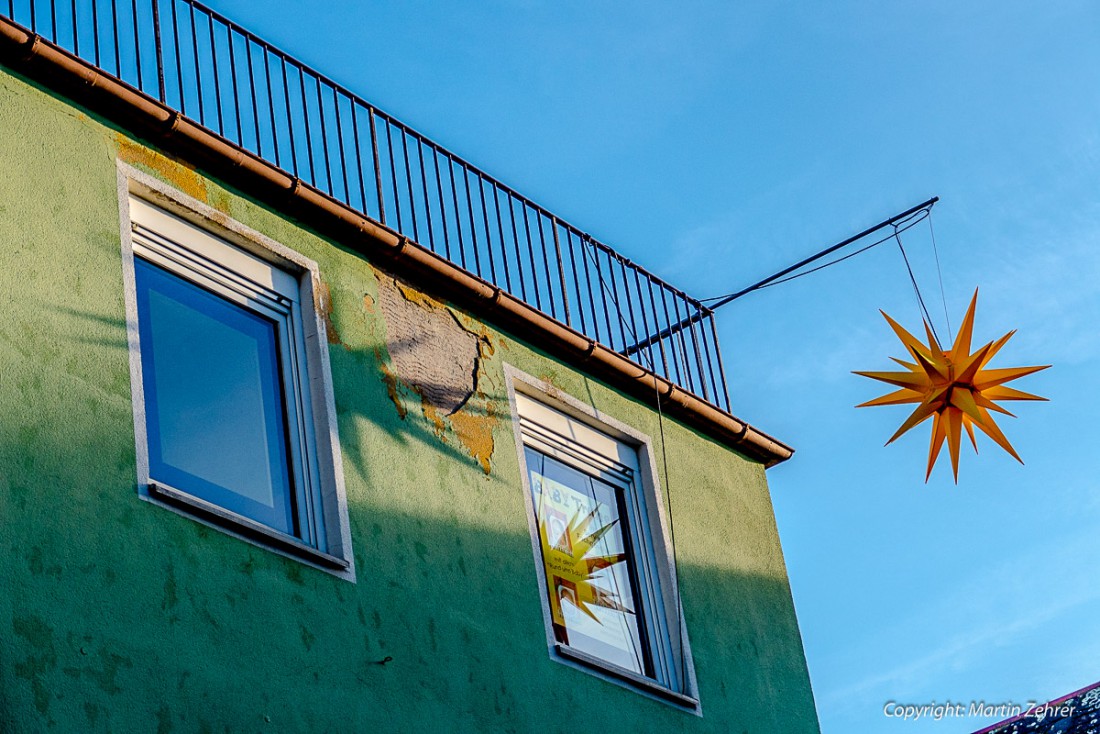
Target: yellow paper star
953	388
568	566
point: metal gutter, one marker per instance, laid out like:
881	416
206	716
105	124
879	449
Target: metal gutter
62	72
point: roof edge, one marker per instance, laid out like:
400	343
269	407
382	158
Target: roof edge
75	78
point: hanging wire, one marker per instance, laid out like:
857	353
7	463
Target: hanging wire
939	273
672	535
900	225
916	288
668	482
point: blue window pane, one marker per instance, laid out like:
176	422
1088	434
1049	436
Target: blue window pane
215	411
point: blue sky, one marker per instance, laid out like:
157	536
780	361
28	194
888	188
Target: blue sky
717	142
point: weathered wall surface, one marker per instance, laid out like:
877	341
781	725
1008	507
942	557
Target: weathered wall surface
116	615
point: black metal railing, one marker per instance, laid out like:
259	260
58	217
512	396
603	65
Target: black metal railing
252	94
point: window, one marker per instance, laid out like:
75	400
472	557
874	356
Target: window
596	527
231	403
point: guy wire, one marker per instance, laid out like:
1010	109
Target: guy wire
916	289
939	273
902	226
668	484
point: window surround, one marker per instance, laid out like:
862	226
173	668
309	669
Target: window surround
327	484
677	686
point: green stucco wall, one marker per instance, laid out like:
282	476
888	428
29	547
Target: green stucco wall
119	616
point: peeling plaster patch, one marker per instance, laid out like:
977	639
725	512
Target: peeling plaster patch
551	378
476	434
438	357
391	384
414	296
430	350
180	176
322	301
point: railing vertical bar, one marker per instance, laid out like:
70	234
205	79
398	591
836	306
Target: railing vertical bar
137	44
561	270
53	20
393	173
488	235
546	263
424	188
582	240
672	338
409	181
531	253
685	367
34	20
576	280
255	100
217	76
270	105
657	326
178	57
195	51
114	34
305	125
289	116
76	36
236	92
515	241
500	233
442	205
324	137
709	364
642	313
340	144
377	165
628	300
458	216
615	300
157	41
95	26
683	347
718	358
603	295
685	353
698	360
358	155
470	213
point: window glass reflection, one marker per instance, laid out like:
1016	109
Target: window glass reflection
589	568
213	398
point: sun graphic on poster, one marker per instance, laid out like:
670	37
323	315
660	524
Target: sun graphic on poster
953	387
570	570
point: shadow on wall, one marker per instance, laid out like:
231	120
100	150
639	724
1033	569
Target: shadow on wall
124	617
420	379
443	632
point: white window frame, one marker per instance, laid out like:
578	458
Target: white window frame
537	405
191	239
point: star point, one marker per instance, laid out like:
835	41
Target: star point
953	387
